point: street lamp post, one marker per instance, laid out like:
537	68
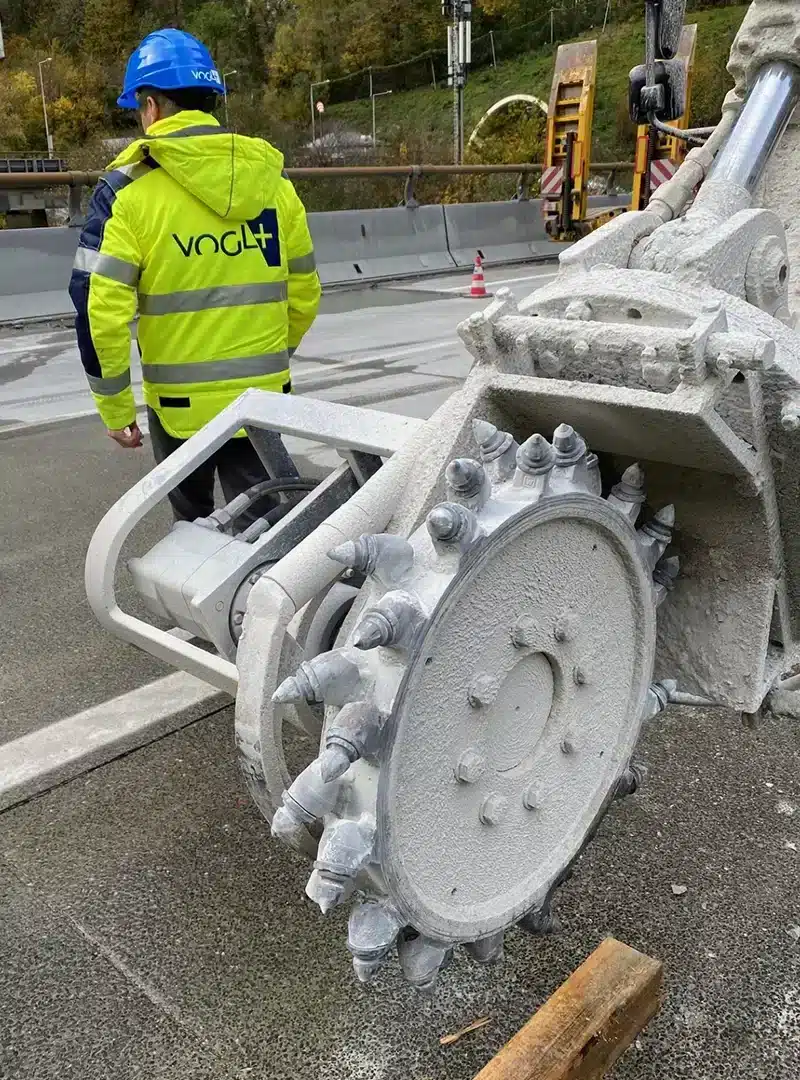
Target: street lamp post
225	75
48	136
384	93
311	90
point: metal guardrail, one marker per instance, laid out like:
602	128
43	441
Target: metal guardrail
76	181
31	163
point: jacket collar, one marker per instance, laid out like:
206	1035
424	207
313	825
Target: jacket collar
189	118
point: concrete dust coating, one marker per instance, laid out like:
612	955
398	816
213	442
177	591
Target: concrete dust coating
403	356
160	932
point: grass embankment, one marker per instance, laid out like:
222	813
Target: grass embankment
424	116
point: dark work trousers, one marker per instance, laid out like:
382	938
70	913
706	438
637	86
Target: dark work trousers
237	465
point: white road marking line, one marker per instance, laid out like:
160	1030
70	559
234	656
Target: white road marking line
397	352
66	748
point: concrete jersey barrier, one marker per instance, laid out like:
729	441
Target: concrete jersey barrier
374	245
35	265
503	232
506	232
351	246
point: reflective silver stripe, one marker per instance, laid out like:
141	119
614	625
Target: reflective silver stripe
114	384
198	129
134	171
118	179
241	367
269	292
303	264
96	262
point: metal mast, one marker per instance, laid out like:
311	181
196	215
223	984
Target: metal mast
459	57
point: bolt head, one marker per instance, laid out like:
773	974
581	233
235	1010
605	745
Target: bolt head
238	618
579	676
482	691
569	744
564	628
532	797
523	632
470	767
494	809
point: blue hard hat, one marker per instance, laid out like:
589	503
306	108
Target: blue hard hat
169	60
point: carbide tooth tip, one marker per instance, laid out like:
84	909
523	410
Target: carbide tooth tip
537	446
365	971
288	692
535	455
285	828
634	476
458	469
367	635
666	516
483	431
333	763
281	822
465	477
325	894
345	553
669	567
441	522
563	435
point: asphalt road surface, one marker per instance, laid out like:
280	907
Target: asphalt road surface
150	928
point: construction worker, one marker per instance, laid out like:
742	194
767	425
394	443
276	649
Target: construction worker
199	230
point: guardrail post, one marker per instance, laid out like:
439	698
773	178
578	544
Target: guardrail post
409	198
523	184
76	217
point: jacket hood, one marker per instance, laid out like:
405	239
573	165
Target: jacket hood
234	175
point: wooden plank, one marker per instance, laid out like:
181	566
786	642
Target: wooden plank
588	1022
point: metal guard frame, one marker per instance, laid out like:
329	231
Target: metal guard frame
340	426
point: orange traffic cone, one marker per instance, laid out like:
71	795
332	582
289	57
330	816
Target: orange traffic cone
478	290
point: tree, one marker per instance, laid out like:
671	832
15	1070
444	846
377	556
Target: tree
21	121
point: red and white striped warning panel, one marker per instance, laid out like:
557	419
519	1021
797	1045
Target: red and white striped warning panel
661	170
552	181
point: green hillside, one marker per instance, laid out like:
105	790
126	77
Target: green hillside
425	116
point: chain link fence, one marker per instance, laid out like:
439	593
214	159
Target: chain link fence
551	27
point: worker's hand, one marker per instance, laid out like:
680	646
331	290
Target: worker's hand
130	437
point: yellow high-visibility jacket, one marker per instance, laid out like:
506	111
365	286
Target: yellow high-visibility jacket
200	231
